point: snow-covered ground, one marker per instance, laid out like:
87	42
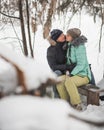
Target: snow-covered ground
30	113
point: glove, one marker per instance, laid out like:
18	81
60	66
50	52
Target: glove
70	67
67	73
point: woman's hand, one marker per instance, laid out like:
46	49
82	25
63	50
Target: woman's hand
67	73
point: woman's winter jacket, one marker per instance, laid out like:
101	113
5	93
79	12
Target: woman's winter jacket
76	53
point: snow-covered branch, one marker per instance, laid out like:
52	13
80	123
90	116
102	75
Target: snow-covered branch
31	75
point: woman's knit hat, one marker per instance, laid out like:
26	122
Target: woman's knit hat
74	32
55	33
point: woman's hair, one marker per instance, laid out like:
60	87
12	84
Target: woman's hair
74	32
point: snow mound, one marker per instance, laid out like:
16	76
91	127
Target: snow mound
35	73
8	77
32	113
35	113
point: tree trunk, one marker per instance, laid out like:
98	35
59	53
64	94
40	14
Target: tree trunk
28	27
47	25
23	28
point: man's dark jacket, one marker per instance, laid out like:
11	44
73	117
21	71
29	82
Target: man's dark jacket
56	56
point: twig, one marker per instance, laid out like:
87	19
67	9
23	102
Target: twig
18	38
64	5
15	32
80	7
2	27
9	15
16	35
11	38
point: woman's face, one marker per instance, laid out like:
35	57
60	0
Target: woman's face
68	38
61	38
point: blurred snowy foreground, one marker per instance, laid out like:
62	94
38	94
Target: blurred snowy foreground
35	113
31	74
32	113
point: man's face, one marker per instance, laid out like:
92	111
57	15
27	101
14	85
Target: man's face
61	38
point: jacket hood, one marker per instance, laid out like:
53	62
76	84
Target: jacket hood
79	41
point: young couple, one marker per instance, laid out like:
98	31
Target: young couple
67	58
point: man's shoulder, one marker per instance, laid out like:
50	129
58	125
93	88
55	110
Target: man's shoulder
51	48
51	51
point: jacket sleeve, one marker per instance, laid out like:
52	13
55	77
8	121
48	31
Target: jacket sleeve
81	60
51	57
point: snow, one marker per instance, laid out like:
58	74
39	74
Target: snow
8	77
101	83
95	110
32	113
34	73
37	114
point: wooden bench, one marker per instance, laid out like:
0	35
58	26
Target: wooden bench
92	92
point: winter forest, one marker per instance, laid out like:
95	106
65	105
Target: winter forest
27	80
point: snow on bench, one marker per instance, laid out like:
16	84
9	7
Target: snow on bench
92	93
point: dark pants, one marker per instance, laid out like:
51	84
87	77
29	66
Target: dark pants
92	79
56	95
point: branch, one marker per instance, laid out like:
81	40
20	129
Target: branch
11	38
64	5
80	7
9	15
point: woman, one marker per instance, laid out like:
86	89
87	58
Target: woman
81	74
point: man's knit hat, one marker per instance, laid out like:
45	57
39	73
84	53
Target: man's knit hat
55	33
74	32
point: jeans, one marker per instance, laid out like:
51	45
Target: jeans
56	94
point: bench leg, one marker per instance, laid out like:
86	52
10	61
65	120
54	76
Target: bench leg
93	98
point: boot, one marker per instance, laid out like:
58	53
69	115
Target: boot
78	107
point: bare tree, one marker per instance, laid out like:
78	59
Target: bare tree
28	25
23	28
47	25
44	14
